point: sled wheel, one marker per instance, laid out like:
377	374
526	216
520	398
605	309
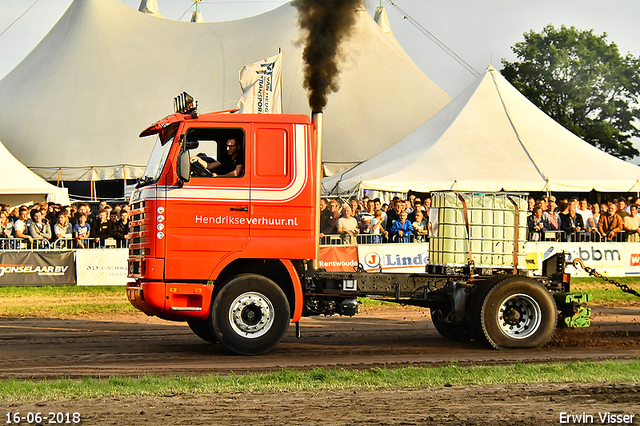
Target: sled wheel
250	314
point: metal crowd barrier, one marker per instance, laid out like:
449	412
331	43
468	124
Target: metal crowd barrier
19	244
559	236
582	237
337	240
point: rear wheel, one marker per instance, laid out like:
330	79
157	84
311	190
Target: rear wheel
250	314
203	330
447	329
514	313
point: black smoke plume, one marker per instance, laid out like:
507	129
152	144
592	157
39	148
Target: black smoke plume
327	23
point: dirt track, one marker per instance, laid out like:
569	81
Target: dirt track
135	344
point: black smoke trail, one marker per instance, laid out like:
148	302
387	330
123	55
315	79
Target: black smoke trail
327	23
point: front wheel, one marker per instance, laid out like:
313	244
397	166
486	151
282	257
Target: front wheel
515	313
250	314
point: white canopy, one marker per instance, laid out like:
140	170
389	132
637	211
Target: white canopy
78	101
490	138
21	186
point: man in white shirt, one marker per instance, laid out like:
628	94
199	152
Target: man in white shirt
348	226
20	226
587	216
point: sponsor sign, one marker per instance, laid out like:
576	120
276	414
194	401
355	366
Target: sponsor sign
102	267
37	268
339	258
610	259
399	258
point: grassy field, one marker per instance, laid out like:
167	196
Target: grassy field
607	294
82	300
62	301
322	379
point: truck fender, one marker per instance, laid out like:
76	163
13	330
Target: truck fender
297	289
291	270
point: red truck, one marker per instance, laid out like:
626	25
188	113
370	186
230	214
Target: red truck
234	256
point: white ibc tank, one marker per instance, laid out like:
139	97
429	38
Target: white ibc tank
492	222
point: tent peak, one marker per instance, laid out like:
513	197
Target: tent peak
150	7
490	68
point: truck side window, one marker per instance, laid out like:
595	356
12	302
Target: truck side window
217	153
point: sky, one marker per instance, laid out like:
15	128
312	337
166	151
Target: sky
479	32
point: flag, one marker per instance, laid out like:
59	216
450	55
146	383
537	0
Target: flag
260	83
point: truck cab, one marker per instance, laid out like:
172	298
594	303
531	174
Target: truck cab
194	231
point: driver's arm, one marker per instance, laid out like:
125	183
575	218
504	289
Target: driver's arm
204	164
235	173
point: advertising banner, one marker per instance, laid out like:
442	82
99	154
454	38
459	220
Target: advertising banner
102	266
401	258
37	268
261	87
339	258
610	259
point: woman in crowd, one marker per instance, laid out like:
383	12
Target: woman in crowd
421	227
6	226
595	209
15	215
631	225
63	229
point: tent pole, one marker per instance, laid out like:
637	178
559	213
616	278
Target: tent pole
124	176
281	97
91	189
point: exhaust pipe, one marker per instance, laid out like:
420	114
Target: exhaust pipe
317	120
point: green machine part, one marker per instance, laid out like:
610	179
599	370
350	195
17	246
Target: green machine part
573	309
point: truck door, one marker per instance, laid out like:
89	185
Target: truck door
209	216
282	196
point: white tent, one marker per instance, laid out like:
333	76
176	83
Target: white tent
490	138
75	105
21	186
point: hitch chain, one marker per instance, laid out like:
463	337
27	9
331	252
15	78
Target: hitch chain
577	261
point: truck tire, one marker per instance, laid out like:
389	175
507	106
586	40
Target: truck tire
250	314
446	329
515	312
203	330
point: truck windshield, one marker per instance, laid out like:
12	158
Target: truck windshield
158	156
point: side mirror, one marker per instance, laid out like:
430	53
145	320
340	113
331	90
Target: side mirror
184	166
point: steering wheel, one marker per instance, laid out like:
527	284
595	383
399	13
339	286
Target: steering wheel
198	170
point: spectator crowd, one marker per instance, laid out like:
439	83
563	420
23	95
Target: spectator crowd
371	221
48	225
576	219
572	219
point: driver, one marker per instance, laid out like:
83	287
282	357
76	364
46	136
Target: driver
231	166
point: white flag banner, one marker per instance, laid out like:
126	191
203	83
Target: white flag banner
260	83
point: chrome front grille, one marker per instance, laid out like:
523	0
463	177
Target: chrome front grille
138	217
